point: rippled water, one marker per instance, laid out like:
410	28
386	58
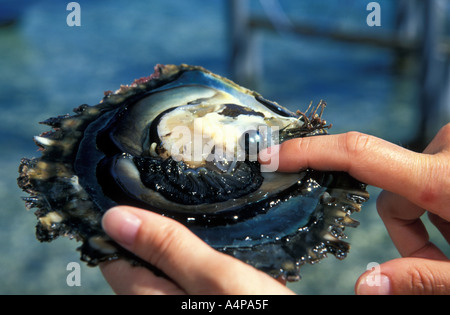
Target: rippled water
48	68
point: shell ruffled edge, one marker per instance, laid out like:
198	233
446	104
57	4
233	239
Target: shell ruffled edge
64	208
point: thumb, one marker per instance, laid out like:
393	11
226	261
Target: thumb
193	266
406	276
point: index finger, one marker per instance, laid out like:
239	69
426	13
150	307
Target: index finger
367	158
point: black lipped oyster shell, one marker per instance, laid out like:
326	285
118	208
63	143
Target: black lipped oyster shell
138	147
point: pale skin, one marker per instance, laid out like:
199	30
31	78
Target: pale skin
411	183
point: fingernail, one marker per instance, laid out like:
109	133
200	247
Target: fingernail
266	154
121	225
374	284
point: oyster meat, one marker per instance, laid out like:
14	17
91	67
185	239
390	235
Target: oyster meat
183	142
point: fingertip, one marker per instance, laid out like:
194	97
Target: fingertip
121	225
269	158
407	276
267	153
373	283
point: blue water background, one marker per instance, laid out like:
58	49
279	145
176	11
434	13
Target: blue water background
48	68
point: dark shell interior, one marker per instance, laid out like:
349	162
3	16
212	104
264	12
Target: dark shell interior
115	153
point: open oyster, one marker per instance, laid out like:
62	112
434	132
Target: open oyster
183	142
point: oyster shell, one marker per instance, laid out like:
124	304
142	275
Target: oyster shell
183	142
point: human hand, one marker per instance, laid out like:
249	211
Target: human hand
192	266
411	181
